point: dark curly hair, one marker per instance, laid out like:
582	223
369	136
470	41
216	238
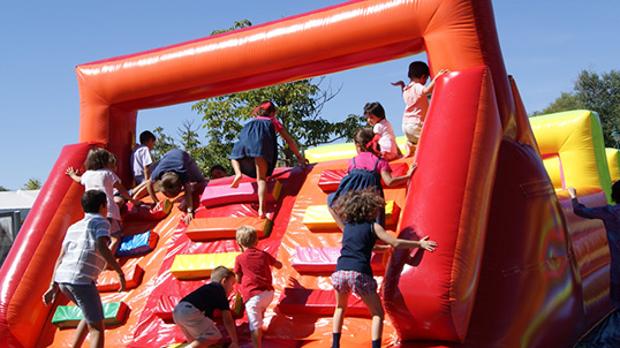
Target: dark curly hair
359	205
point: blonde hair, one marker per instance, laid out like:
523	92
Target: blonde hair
246	236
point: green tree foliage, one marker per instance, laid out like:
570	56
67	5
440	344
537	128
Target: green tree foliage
600	93
32	184
2	188
300	106
163	144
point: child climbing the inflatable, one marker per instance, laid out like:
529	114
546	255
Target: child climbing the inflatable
194	313
416	101
253	270
99	175
256	152
366	170
83	255
359	210
141	160
384	142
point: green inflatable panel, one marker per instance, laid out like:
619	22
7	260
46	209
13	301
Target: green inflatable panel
114	313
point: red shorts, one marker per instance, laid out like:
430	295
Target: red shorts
360	283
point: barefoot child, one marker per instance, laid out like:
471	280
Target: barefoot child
366	170
416	101
194	313
99	175
256	152
253	270
83	256
359	209
141	159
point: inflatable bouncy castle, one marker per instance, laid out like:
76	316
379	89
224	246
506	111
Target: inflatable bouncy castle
514	268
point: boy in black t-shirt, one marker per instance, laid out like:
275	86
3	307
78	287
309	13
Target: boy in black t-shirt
194	313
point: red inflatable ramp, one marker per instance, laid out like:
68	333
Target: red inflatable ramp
331	178
215	228
164	307
247	192
108	280
318	302
323	260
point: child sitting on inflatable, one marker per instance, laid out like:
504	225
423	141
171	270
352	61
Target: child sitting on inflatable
359	209
366	170
384	142
416	101
256	152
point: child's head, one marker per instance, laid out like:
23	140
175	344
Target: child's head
374	113
95	202
615	192
246	236
99	158
419	71
148	139
359	205
217	171
266	108
362	140
170	184
225	277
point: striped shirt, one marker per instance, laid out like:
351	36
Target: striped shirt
82	263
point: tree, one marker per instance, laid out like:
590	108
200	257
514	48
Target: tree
163	144
600	93
2	188
32	184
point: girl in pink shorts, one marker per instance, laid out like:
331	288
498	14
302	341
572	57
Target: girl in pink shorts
359	210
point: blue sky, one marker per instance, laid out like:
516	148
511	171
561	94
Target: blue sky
544	43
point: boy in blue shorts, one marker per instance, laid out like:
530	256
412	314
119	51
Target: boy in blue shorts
83	256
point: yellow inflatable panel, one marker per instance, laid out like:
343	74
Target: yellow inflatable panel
573	151
613	162
195	266
333	152
318	218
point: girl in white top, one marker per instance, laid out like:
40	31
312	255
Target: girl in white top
99	175
384	132
416	102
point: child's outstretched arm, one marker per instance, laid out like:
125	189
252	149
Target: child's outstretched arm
73	174
102	247
430	86
124	193
423	243
400	84
151	190
229	324
390	180
293	145
50	294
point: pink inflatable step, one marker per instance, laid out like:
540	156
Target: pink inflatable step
330	178
323	260
216	195
318	302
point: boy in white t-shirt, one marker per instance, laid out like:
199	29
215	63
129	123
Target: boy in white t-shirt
83	255
141	158
385	140
416	101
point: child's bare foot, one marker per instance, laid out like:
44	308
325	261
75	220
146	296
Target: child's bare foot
235	182
261	213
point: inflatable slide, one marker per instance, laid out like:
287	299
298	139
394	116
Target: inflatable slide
514	268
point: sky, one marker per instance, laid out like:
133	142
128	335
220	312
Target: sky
544	44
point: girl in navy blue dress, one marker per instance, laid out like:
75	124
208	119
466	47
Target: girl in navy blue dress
256	152
366	170
359	209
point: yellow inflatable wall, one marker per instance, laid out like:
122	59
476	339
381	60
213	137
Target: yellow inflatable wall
613	161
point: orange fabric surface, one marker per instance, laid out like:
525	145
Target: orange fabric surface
214	228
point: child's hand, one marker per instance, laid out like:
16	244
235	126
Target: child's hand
189	216
428	245
400	84
412	169
50	294
121	279
71	171
441	72
572	192
302	162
